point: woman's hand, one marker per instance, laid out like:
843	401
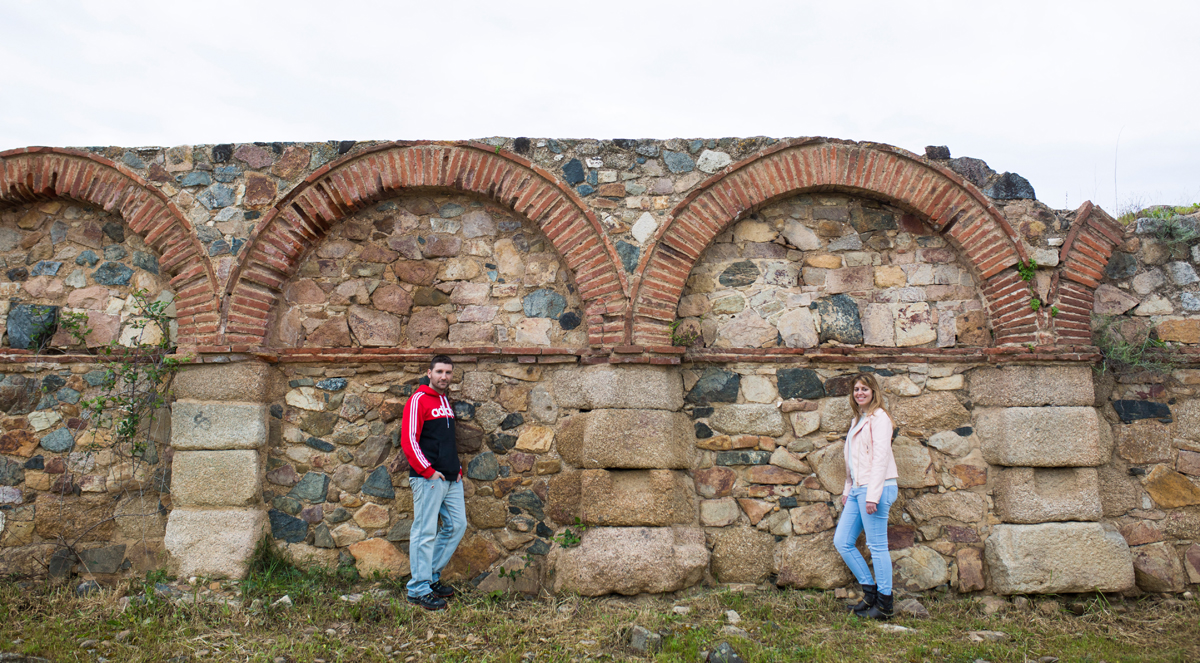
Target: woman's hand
844	499
870	507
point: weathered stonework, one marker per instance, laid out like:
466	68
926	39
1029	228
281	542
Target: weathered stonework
1058	558
1044	436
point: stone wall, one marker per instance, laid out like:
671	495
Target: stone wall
653	340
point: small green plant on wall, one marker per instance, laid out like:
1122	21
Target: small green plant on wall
1131	347
683	336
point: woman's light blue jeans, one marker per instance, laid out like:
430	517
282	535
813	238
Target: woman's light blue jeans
853	521
429	546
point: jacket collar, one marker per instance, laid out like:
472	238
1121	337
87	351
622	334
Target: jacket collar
429	391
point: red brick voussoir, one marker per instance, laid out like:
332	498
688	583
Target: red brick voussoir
37	174
953	207
339	188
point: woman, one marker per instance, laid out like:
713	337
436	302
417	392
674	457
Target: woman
869	492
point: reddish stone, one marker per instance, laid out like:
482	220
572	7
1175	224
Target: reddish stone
293	162
375	253
1140	532
405	245
441	246
156	173
333	333
373	328
94	297
260	191
971	329
502	487
390	410
612	190
474	555
56	465
253	155
1188	463
755	509
416	272
970	570
357	231
910	223
312	514
935	255
283	476
1191	562
304	291
961	534
811	519
521	462
970	475
18	443
901	537
426	326
393	299
744	442
542	490
760	491
770	474
715	482
88	234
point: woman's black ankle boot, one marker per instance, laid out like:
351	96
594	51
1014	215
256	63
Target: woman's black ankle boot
867	601
882	610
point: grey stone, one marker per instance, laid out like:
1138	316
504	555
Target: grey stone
573	172
839	319
251	382
226	173
629	254
88	258
217	195
919	568
642	639
213	542
332	384
216	478
1037	495
379	484
1182	273
312	488
12	473
1044	436
850	242
45	268
103	560
528	501
743	457
799	383
58	441
483	467
287	528
631	387
1121	266
739	274
115	252
810	561
1054	558
678	162
544	303
602	439
194	178
1010	186
145	261
715	385
711	162
29	325
112	273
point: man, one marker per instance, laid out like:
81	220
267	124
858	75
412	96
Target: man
427	437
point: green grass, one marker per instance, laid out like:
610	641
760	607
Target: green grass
783	626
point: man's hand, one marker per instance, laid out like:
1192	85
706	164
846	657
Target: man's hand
870	507
437	475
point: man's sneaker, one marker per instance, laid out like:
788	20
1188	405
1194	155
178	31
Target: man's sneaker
441	590
429	602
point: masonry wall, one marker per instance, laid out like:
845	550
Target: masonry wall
653	339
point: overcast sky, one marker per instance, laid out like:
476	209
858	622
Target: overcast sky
1065	93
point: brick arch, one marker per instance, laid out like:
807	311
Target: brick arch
341	187
34	174
954	208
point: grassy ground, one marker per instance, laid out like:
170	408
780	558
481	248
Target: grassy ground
116	625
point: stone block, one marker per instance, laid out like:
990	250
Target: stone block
213	425
73	518
1031	386
1157	568
1038	495
636	560
830	465
962	506
1119	492
628	439
748	419
632	498
1144	442
251	382
213	542
719	512
742	555
1057	558
1170	489
914	464
622	387
379	556
216	478
919	568
810	561
929	413
1044	436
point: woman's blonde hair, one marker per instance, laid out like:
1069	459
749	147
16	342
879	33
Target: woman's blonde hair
876	402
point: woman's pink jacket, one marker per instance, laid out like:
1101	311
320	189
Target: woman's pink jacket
873	459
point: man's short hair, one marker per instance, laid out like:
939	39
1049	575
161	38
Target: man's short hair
440	359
